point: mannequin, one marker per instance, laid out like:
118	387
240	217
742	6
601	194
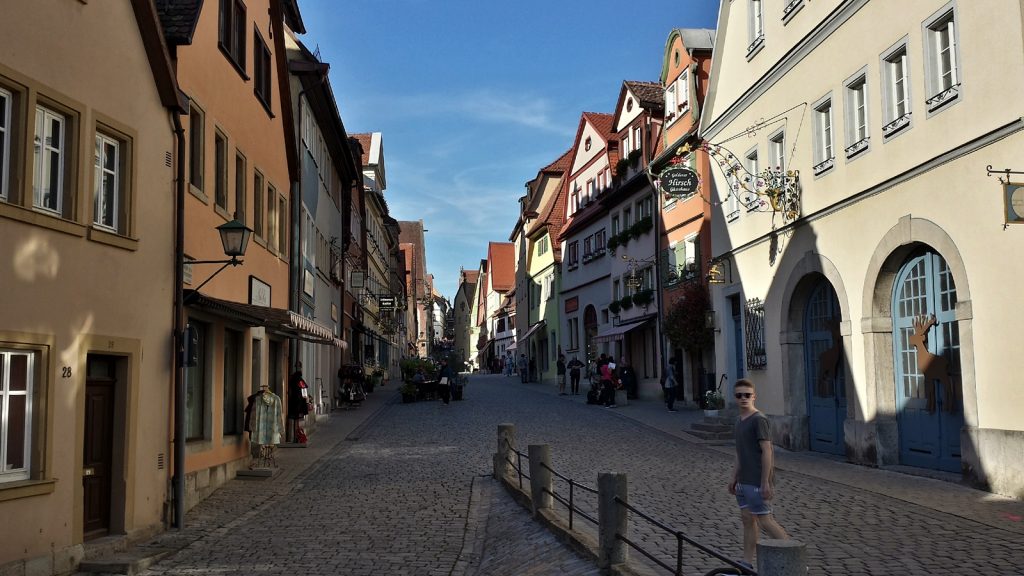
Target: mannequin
263	422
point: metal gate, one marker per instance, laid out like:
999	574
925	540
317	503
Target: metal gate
926	351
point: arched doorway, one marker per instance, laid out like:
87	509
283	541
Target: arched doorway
824	369
926	354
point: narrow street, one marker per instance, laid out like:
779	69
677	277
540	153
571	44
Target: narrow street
408	492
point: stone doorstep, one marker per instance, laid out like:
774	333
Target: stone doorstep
130	562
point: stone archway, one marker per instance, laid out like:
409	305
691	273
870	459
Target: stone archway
907	236
800	283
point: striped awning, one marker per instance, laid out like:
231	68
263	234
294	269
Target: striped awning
277	321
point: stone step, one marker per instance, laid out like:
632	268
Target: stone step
711	427
704	435
129	562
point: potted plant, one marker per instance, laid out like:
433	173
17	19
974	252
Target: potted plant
614	307
613	243
713	402
627	302
634	157
621	166
643	297
408	391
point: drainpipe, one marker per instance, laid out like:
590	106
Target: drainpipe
179	327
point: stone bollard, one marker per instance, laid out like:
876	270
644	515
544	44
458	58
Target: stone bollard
506	436
540	477
781	558
611	519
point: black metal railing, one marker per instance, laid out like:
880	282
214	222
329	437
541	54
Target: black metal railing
571	502
680	539
518	464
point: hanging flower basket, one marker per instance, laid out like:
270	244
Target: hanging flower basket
626	303
615	307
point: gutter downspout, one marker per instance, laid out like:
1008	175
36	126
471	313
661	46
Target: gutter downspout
179	327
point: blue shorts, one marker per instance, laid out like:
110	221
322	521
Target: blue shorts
749	498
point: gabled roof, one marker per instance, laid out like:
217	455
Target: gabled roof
502	270
470	276
552	218
603	123
561	165
179	19
364	141
650	94
697	38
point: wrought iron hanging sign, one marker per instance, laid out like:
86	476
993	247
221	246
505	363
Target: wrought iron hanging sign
679	181
770	190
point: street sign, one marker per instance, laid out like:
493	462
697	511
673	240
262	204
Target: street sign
679	181
387	302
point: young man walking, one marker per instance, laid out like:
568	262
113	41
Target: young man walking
753	477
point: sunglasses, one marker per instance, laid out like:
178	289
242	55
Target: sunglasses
744	395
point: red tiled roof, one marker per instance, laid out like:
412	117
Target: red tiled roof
603	123
501	256
364	141
651	94
471	275
561	165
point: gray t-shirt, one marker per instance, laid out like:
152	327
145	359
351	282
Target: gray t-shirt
749	434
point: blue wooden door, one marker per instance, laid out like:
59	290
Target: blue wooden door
824	369
925	334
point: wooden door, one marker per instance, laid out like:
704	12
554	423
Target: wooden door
97	457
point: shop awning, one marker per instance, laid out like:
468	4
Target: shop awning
612	333
277	321
512	346
532	329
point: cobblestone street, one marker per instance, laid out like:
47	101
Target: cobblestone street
408	492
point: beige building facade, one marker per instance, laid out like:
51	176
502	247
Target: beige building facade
869	278
86	227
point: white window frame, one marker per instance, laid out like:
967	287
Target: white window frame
44	150
684	93
777	150
858	115
896	97
940	91
6	98
824	136
101	175
755	21
638	139
753	166
24	472
670	103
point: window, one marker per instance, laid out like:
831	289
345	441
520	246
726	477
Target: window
231	32
5	141
196	159
777	151
647	278
754	167
257	204
684	92
271	218
49	161
261	69
896	97
542	245
756	27
196	386
549	286
943	59
240	180
856	117
220	168
627	218
824	156
587	244
574	257
17	389
625	144
108	184
638	138
572	326
232	382
599	240
282	226
644	206
692	258
574	200
615	225
590	190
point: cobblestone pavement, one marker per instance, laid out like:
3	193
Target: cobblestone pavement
407	493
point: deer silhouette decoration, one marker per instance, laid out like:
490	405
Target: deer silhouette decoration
828	361
932	367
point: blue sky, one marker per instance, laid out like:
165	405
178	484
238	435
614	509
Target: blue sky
474	97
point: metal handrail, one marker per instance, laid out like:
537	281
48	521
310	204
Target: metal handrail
518	464
680	538
570	504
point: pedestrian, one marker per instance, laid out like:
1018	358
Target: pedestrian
522	368
605	366
754	475
574	375
298	403
445	379
669	385
560	371
532	374
510	363
627	376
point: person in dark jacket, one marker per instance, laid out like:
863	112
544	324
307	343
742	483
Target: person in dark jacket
574	375
445	380
628	377
298	403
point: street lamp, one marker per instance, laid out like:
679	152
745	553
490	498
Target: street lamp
234	237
